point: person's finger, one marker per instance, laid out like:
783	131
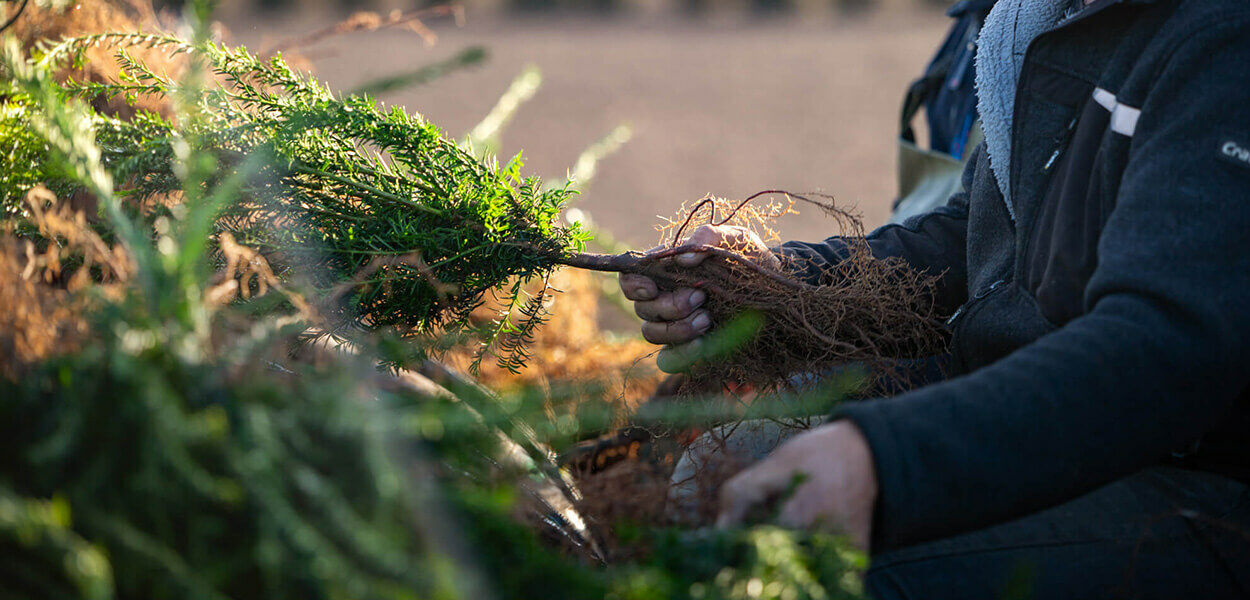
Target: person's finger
679	358
690	259
705	235
677	332
751	488
736	500
799	511
671	307
638	288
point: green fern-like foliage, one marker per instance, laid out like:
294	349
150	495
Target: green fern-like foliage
393	224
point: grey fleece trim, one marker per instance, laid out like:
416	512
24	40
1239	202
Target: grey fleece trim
1008	30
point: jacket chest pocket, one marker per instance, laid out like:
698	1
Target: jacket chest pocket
1061	247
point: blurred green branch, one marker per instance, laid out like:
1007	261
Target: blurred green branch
483	139
465	58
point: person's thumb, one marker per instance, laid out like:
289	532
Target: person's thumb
690	259
706	235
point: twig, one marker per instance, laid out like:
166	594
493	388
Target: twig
365	21
633	262
13	19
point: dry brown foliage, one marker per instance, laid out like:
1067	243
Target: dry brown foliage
47	25
368	21
50	278
571	346
38	319
633	492
40	283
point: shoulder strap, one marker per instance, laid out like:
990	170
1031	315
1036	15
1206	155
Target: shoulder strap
967	14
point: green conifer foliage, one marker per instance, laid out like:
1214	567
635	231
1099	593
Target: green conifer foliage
391	222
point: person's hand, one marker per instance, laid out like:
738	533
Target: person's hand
675	318
836	490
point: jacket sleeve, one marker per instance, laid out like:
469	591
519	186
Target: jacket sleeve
934	242
1154	362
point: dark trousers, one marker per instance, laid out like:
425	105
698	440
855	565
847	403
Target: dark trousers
1162	533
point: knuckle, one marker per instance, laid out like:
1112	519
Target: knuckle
679	332
662	309
673	310
705	234
666	332
645	309
652	333
637	287
666	306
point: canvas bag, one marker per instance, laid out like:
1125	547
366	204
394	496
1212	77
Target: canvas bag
928	176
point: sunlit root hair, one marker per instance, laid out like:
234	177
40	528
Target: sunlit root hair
861	311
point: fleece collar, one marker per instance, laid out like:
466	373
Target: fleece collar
1008	30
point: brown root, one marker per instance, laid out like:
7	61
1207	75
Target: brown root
862	310
632	492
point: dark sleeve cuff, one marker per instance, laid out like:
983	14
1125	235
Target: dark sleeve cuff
812	261
893	494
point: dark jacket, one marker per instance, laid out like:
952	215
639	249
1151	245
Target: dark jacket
1105	327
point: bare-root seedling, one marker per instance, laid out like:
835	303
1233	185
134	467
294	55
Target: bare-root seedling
861	310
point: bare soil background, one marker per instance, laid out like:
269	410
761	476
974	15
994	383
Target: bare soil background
726	109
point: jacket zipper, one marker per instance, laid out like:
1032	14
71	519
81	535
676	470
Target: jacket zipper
1020	83
1061	144
987	291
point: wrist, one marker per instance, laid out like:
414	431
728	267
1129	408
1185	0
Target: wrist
860	487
